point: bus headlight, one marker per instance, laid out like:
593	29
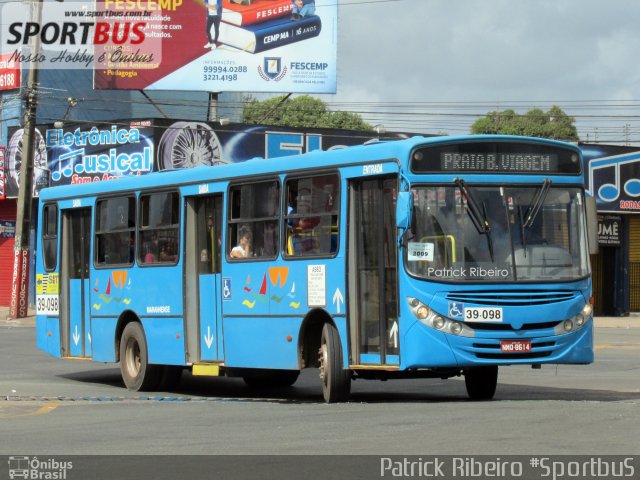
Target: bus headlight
438	322
576	322
456	328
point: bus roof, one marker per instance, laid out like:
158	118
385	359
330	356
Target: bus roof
372	152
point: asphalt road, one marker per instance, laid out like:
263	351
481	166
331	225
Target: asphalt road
54	407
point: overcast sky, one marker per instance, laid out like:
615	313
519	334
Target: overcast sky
504	53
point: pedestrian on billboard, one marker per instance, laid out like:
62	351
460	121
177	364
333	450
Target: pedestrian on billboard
214	15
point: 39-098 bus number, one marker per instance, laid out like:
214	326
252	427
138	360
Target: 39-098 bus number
47	304
483	314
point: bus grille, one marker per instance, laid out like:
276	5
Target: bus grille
488	351
520	298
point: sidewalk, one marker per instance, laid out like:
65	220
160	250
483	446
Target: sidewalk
632	321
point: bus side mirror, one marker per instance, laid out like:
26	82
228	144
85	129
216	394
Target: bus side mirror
404	210
592	224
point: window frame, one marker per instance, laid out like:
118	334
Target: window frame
233	224
100	232
47	237
285	216
141	230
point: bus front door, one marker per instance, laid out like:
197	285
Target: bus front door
74	283
202	279
372	257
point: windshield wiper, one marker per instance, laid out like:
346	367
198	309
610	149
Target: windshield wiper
523	238
478	217
536	203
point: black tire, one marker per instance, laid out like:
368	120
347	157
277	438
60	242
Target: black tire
137	374
271	378
481	382
336	381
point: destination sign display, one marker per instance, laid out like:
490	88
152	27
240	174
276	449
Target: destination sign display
496	157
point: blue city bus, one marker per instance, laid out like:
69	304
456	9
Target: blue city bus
425	257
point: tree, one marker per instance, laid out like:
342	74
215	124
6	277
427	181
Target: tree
303	111
553	124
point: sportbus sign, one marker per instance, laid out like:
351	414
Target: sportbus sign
83	34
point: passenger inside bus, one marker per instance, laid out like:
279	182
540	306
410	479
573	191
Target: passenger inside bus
243	249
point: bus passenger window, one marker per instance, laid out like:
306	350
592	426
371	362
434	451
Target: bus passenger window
253	220
50	237
115	231
159	228
311	218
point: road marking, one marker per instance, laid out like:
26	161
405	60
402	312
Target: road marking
616	346
46	408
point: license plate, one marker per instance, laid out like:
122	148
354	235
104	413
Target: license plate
483	314
515	346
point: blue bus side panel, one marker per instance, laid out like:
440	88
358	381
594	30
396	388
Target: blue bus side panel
87	323
209	334
165	340
48	335
75	318
103	336
424	347
256	342
144	291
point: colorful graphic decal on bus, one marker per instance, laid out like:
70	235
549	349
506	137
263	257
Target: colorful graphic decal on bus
47	290
278	277
118	281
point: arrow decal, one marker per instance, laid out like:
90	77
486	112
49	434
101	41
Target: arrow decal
208	340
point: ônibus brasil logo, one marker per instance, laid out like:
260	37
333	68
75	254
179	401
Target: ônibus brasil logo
35	468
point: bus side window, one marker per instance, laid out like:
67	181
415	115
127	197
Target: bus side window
50	237
253	220
311	218
159	230
115	231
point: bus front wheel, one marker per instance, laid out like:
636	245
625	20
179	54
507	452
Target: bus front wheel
134	366
481	382
336	381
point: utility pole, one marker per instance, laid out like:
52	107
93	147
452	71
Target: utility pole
19	286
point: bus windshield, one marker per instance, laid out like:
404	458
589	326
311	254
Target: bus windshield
493	233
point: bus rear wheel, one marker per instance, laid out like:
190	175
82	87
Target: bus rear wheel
481	382
134	365
336	381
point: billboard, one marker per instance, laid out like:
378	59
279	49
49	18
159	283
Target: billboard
612	176
254	45
82	153
85	152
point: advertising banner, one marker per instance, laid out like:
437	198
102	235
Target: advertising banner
83	153
609	230
182	144
9	72
234	45
612	176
